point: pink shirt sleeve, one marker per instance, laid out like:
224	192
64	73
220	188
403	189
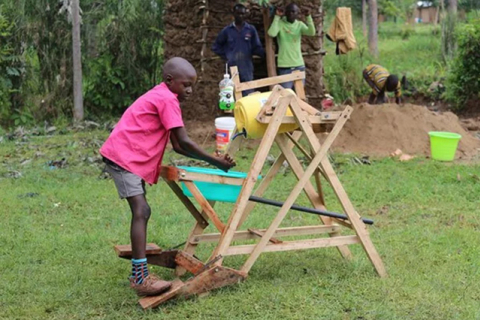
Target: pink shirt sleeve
170	114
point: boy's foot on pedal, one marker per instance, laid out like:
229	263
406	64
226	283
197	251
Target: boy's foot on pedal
151	286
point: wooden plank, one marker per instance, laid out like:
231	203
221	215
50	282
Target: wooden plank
236	80
265	82
189	262
316	147
206	207
355	219
358	226
282	232
164	259
259	233
295	192
299	88
320	119
191	246
295	245
202	177
169	173
199	216
272	102
265	182
125	250
270	52
154	301
213	278
316	199
247	188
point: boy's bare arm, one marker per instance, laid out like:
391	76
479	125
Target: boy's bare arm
182	144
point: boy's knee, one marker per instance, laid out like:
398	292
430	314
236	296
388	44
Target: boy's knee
143	212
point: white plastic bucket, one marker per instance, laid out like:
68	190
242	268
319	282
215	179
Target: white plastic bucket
224	127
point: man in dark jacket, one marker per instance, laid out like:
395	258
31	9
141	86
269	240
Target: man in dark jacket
237	43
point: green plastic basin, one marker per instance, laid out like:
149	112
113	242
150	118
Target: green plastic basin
215	191
443	145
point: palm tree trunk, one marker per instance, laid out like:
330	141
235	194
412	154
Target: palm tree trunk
373	28
77	63
364	17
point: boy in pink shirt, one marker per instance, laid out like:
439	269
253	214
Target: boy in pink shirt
133	154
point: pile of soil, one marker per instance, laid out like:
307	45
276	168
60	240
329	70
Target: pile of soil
380	130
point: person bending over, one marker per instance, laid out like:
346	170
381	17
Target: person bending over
381	81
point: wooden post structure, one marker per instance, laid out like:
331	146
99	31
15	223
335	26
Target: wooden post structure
212	274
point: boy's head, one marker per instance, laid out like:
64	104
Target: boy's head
240	13
291	12
392	83
179	76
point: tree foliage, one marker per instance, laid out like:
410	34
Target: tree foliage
463	82
122	54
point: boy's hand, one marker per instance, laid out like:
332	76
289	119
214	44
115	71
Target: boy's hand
280	12
225	162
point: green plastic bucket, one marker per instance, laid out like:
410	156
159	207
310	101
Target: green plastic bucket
443	145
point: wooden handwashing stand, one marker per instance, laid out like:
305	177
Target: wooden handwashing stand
212	274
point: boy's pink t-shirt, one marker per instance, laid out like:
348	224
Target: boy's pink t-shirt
138	141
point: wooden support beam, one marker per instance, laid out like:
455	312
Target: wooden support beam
248	186
265	82
354	218
260	234
270	52
199	216
282	232
206	207
125	250
295	245
293	195
189	263
193	176
265	182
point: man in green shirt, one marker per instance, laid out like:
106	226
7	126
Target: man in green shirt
289	31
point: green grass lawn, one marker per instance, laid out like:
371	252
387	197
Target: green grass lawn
59	227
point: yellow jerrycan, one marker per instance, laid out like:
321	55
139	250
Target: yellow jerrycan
246	111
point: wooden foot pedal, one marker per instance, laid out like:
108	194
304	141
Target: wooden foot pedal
213	278
153	301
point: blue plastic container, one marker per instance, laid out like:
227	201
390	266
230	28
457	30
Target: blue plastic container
215	191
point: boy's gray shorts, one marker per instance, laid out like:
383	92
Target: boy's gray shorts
127	183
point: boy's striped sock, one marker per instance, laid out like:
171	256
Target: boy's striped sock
139	270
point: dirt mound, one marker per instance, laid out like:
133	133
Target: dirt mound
380	130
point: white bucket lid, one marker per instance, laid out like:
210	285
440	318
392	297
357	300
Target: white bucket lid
225	122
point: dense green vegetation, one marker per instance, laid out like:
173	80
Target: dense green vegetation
122	55
464	78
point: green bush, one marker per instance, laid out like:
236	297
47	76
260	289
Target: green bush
343	77
463	80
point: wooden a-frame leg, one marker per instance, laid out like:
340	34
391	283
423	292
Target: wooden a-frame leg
190	246
357	224
287	205
265	182
206	207
309	190
249	184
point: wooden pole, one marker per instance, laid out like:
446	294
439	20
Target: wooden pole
270	52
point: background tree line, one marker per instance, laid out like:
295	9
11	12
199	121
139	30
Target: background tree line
121	56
